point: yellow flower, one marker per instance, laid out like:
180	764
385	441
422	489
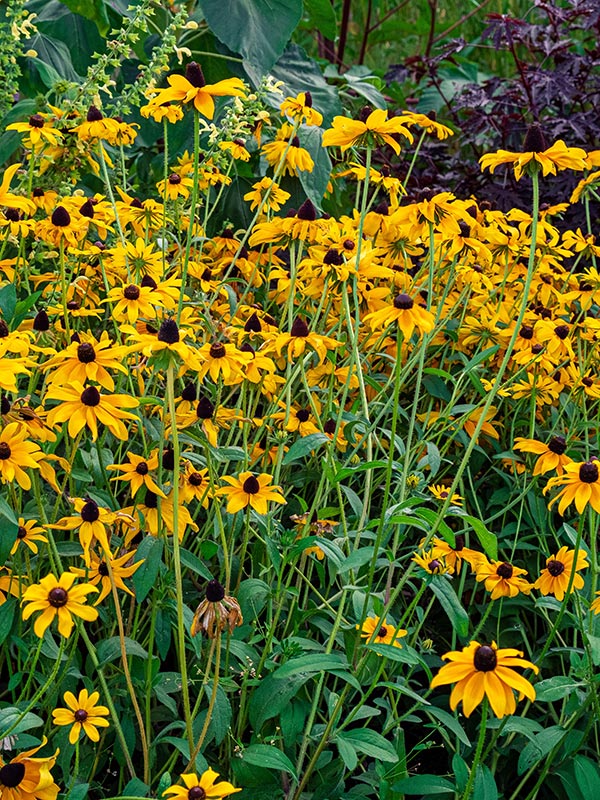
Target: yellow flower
83	714
432	562
501	578
300	108
484	670
378	631
551	455
193	88
137	472
406	314
17	455
97	572
249	490
548	159
440	492
28	778
557	575
288	150
86	407
201	788
37	130
28	534
580	482
58	598
9	200
268	194
375	130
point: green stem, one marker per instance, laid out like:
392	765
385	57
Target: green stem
478	751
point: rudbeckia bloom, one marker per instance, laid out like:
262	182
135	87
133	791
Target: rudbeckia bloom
57	597
29	533
86	407
16	455
9	200
193	88
548	159
378	631
97	572
300	108
581	483
82	713
406	314
484	670
137	472
377	129
501	578
432	562
28	778
250	490
556	577
201	788
551	456
266	188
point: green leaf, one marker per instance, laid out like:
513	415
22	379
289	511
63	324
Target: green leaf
321	17
555	688
359	79
312	663
192	562
587	776
461	771
315	183
252	596
271	696
303	446
55	54
264	755
7	614
16	721
424	785
539	747
8	301
256	29
110	649
487	539
347	752
450	722
445	593
150	550
94	10
371	743
9	528
485	786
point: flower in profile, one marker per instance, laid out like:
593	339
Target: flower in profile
502	579
300	108
432	562
193	89
216	612
537	154
27	778
58	598
441	492
555	578
485	670
376	130
83	714
580	482
287	153
378	631
9	200
551	456
17	455
595	605
9	584
266	193
453	556
28	533
201	788
250	491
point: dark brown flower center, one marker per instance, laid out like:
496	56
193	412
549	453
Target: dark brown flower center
555	568
196	793
299	328
193	73
168	332
534	140
87	209
205	409
103	569
526	332
5	450
558	445
86	353
404	302
22	532
251	485
58	597
142	468
196	479
217	350
435	565
307	211
90	511
382	632
131	292
588	472
151	499
11	775
41	321
174	179
61	217
505	570
485	659
303	415
90	396
562	331
215	592
333	256
94	114
80	715
253	324
36	121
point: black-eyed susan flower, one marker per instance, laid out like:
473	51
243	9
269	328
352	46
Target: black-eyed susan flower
62	228
453	556
17	454
287	154
379	631
538	154
86	407
193	89
26	777
98	574
300	336
441	492
201	788
175	186
195	485
28	534
155	522
91	520
481	670
250	491
58	598
555	578
551	456
432	562
87	359
37	130
268	194
9	584
300	108
9	200
502	579
223	361
82	714
595	604
216	612
580	482
130	302
376	130
408	315
137	473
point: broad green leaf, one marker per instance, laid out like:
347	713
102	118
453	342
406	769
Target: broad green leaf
461	772
445	593
312	663
55	54
256	29
94	10
303	447
587	776
371	743
551	689
16	721
315	183
264	755
9	528
252	596
110	649
347	752
271	696
150	550
8	301
539	747
424	785
487	539
321	17
192	562
485	785
7	614
450	722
